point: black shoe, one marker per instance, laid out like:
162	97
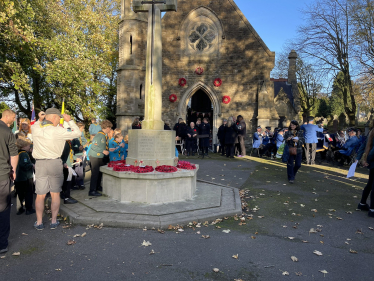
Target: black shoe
371	214
3	251
99	188
30	212
75	187
291	181
82	187
363	207
20	211
94	193
70	201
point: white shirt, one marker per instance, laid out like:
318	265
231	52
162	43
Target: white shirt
49	141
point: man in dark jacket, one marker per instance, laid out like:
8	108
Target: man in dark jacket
221	136
176	126
205	130
242	131
8	168
191	140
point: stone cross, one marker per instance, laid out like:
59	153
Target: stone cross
153	77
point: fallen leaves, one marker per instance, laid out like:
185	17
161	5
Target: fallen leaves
16	254
323	271
294	259
236	256
71	242
371	228
216	270
25	234
353	251
226	231
205	236
152	252
146	243
2	257
318	253
285	273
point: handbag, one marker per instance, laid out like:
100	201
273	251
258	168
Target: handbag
292	150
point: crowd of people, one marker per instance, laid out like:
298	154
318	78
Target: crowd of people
49	158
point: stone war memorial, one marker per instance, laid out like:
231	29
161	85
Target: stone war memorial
212	63
154	199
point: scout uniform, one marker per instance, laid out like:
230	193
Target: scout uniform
24	182
99	144
117	154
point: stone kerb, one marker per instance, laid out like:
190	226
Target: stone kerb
151	188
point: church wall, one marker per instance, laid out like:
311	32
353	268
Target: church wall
240	60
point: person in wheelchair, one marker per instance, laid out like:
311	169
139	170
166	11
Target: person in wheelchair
348	148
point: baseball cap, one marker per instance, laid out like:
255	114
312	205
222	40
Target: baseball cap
53	111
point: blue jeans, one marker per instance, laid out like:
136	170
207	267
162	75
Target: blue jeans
293	165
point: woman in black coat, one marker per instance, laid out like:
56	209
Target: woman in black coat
221	136
231	134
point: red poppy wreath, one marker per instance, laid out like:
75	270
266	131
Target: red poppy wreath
173	98
182	82
226	99
217	82
199	70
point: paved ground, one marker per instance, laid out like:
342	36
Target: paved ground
277	224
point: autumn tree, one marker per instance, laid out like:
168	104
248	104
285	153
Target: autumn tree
326	39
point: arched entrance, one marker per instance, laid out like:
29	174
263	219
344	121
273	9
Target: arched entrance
206	100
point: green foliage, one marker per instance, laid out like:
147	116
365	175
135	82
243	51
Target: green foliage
337	95
52	50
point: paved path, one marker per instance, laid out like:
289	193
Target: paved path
278	219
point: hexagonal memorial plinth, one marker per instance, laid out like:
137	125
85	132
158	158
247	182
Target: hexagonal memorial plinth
151	187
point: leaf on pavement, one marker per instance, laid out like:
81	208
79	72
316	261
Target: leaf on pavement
285	273
205	236
353	251
146	243
323	271
2	257
83	234
295	259
226	230
236	256
318	253
16	254
215	270
71	242
24	234
152	252
371	228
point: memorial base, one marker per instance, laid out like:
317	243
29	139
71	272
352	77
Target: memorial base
153	188
152	147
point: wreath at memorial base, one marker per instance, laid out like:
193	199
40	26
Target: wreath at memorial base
226	99
199	70
186	165
166	169
115	163
142	170
182	82
123	168
217	82
173	98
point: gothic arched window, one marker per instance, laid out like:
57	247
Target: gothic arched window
202	37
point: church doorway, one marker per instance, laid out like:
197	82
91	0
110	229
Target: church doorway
199	106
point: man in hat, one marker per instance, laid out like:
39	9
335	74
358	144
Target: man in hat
49	141
8	166
348	147
242	131
311	140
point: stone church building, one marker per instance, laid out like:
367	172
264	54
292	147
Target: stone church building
214	65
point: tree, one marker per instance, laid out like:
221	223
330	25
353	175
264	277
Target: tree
52	50
326	38
336	98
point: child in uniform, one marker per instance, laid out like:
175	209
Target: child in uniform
119	148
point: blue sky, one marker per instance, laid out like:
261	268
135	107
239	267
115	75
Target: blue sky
275	21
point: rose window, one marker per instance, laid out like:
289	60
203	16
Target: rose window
202	37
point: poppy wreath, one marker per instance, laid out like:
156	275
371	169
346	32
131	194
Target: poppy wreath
182	82
186	165
173	98
115	163
123	168
166	169
217	82
199	70
142	170
226	99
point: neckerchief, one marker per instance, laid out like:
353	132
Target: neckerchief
119	150
46	123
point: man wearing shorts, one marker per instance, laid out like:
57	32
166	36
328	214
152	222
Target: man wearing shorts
49	141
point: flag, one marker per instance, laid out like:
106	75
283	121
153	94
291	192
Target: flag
15	125
62	112
33	120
